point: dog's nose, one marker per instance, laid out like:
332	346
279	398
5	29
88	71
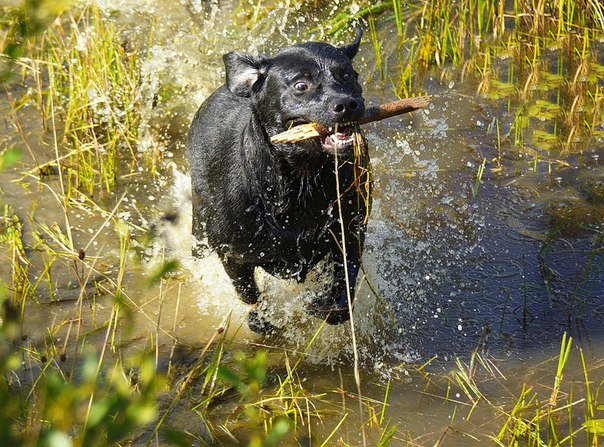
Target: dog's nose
345	106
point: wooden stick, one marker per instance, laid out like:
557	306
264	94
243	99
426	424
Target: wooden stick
377	113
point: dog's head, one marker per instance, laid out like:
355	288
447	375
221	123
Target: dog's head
308	82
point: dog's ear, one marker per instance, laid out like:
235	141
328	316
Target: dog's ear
243	72
352	49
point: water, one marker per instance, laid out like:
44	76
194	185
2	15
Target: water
446	273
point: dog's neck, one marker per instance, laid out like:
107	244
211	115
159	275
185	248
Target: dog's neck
287	179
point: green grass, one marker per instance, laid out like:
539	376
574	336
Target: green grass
520	53
525	56
479	174
533	421
87	85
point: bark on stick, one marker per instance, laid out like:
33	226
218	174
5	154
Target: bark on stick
377	113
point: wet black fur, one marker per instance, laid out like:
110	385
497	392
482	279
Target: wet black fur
275	206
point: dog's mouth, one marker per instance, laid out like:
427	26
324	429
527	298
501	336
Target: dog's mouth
339	137
335	139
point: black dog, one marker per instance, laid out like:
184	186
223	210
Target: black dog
276	206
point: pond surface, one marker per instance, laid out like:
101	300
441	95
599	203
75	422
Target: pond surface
504	266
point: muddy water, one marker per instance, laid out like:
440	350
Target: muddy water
445	272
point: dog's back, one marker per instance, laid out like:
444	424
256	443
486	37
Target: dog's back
217	173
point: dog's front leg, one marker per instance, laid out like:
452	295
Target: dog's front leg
340	293
333	305
242	277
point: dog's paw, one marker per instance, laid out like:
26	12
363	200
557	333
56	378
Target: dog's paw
249	295
328	309
257	320
331	315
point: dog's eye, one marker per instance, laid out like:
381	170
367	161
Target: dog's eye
346	77
301	86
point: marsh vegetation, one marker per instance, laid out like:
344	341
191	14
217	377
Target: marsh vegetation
480	307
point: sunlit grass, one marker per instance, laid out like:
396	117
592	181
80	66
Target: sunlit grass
524	56
86	85
542	60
